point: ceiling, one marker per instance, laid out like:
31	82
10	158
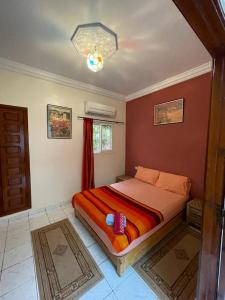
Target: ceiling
155	41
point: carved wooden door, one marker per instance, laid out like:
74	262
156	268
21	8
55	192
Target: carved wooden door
15	192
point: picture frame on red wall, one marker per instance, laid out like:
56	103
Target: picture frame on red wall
169	112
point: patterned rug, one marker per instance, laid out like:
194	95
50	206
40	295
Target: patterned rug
65	269
171	267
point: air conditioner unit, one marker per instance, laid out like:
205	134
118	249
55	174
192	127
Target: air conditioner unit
99	109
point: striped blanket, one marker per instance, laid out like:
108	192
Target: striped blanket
99	202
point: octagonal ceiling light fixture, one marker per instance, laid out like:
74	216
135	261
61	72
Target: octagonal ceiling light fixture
96	43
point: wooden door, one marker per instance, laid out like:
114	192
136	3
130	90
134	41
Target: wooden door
208	21
221	184
211	264
15	194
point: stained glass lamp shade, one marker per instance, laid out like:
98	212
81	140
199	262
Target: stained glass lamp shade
95	61
96	43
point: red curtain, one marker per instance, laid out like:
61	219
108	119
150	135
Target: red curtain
88	156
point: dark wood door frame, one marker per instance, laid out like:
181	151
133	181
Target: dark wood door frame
208	21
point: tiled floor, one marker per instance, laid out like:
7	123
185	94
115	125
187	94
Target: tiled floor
17	271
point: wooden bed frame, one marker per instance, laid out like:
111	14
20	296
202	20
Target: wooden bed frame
122	262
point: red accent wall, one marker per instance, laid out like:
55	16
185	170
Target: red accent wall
176	148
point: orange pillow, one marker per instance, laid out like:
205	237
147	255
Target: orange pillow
147	175
174	183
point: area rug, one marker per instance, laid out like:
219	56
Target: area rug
171	267
65	269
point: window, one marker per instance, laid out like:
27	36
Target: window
102	137
222	2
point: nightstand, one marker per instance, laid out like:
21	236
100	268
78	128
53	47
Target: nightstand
122	178
194	213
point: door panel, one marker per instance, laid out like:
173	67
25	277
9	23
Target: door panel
14	154
214	192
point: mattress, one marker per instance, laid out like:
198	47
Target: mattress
169	204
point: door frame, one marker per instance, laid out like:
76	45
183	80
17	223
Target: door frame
208	21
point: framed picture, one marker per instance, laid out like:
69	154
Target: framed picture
169	112
59	122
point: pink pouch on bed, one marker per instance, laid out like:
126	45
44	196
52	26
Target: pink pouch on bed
118	227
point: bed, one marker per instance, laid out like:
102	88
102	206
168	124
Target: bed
151	213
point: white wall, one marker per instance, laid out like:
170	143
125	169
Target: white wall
55	165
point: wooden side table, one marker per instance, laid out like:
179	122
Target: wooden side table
123	178
194	213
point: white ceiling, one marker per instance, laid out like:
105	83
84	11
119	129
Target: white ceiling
155	41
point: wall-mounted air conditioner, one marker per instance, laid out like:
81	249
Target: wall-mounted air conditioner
99	109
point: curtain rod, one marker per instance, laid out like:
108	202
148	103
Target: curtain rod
108	121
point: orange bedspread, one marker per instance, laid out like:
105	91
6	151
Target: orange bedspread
99	202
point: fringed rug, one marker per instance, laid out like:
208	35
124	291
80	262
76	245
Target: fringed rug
65	269
171	267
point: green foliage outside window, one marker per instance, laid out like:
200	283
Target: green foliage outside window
102	137
96	138
106	137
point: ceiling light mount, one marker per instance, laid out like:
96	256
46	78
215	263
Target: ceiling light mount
96	42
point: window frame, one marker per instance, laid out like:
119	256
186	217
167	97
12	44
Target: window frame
222	7
101	150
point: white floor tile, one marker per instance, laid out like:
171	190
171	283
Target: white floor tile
134	288
86	238
56	214
65	204
98	292
19	216
17	239
4	225
16	275
4	220
38	214
71	217
111	296
2	234
17	255
68	210
97	253
26	291
111	276
52	207
2	241
36	211
77	224
1	260
39	221
83	233
18	225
